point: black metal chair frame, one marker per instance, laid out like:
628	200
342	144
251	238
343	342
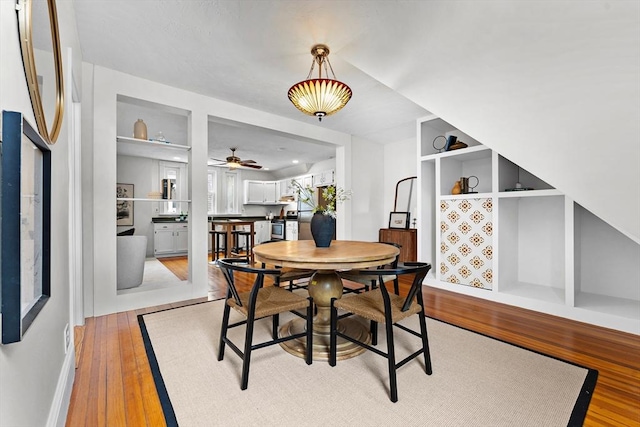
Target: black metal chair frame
292	275
365	288
228	266
415	292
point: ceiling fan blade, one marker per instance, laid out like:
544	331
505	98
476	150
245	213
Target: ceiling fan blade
252	166
248	161
218	160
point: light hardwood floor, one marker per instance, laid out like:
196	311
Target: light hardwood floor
114	387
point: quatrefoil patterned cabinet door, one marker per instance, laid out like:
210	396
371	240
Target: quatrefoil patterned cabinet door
466	244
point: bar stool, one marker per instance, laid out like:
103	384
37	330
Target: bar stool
247	242
217	248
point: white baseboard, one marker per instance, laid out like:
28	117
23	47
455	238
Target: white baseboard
62	397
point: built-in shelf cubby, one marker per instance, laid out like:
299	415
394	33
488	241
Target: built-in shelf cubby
531	247
535	247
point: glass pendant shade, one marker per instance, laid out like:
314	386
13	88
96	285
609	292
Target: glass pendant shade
322	96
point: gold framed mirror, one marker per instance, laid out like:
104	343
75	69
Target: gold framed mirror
42	60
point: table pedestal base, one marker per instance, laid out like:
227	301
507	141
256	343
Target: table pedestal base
323	286
345	349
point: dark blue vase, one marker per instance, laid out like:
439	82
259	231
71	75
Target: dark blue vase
322	229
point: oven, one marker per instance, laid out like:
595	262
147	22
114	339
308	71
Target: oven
278	229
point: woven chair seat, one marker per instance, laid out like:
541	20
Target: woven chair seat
371	306
364	279
288	274
271	300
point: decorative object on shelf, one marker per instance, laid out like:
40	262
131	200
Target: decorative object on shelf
465	185
413	223
518	187
140	130
47	107
451	140
444	145
456	188
322	96
458	145
25	214
399	220
168	188
322	229
124	208
159	137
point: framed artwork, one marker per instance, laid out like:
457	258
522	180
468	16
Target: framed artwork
124	208
26	225
399	220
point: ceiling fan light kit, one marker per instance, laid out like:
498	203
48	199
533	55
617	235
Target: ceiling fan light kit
322	96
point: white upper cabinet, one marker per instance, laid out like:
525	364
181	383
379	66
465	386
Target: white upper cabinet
261	192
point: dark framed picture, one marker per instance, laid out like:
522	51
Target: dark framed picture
399	220
124	208
26	225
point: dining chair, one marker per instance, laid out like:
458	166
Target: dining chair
378	305
288	274
260	302
368	281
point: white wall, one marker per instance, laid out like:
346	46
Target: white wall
399	163
553	86
107	86
367	178
35	374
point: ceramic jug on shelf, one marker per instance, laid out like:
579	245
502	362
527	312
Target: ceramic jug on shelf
456	188
140	130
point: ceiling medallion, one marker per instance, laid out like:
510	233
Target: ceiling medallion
322	96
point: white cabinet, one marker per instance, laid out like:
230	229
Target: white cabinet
518	240
261	192
170	238
262	230
323	178
291	231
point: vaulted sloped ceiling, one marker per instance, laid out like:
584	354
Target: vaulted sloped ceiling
552	86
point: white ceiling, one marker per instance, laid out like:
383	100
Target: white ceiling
249	53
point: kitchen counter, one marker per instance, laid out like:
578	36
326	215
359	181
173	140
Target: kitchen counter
158	219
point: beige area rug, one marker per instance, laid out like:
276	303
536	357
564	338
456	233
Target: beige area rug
476	381
156	272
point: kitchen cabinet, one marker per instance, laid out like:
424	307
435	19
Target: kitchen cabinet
261	192
406	238
170	238
323	178
262	230
518	240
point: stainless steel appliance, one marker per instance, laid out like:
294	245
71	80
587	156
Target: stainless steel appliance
305	213
278	229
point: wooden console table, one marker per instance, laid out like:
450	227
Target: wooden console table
407	238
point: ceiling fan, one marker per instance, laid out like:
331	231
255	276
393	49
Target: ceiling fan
235	162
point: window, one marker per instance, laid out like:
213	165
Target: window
175	186
211	191
231	192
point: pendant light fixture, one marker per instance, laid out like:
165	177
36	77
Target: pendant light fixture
322	96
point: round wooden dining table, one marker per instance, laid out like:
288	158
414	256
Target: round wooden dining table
325	284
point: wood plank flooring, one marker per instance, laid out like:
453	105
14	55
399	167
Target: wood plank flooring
114	386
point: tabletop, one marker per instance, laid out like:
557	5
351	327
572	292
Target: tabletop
341	255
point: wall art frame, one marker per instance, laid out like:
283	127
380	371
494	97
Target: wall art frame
124	207
25	255
399	220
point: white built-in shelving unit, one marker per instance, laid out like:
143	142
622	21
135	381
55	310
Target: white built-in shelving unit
546	252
